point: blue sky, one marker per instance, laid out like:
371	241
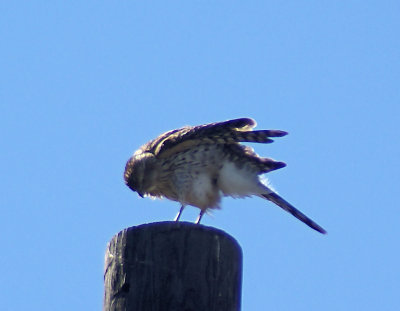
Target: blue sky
83	84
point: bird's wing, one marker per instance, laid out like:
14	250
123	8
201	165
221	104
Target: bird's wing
226	132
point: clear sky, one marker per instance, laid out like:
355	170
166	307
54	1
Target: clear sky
83	84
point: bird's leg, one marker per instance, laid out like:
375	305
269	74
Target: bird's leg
199	218
179	214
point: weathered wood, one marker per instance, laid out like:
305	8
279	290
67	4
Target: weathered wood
172	266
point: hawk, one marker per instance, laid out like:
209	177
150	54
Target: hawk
197	165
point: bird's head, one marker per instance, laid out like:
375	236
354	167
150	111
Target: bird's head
139	172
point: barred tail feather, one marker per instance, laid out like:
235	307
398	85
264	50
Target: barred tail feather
275	198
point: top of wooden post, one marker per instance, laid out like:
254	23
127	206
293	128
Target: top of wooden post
172	266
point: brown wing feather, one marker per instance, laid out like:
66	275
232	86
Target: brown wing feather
226	132
263	165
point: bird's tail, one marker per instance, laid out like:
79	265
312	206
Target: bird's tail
275	198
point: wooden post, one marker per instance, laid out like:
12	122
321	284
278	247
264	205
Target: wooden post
172	266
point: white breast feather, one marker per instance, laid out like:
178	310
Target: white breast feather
202	185
238	183
203	193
